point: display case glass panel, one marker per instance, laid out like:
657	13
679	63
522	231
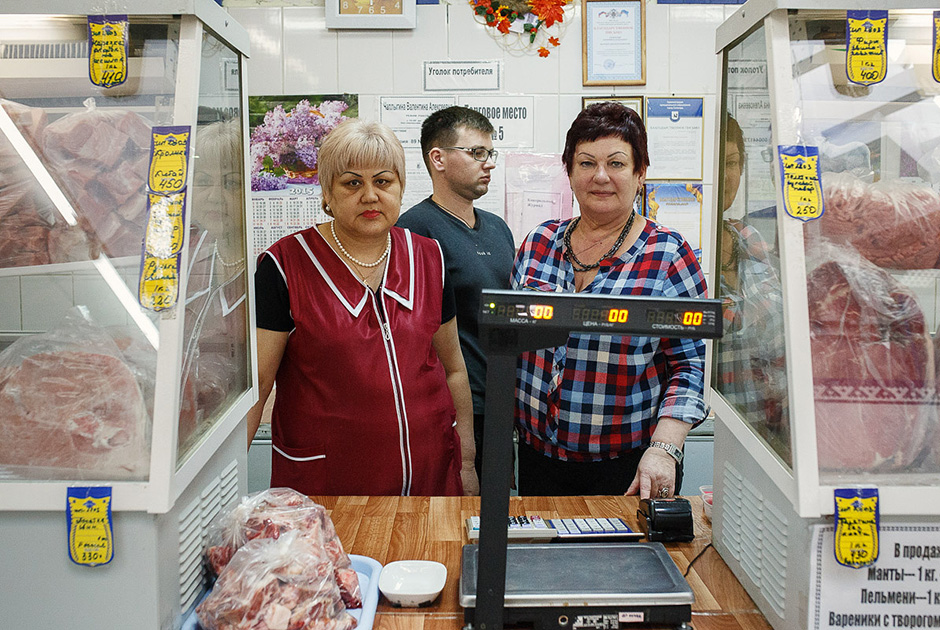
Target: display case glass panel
215	369
750	359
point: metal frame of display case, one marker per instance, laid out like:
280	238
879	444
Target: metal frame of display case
167	479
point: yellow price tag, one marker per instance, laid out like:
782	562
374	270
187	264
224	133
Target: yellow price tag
165	223
169	159
159	282
802	191
935	63
107	49
856	537
866	47
91	537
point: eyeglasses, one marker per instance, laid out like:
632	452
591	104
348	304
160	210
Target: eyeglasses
480	154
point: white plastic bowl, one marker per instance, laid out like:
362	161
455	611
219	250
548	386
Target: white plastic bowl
707	498
412	583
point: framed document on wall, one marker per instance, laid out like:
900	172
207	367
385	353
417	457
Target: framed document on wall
613	40
633	102
370	14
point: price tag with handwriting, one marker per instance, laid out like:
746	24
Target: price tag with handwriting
158	289
866	46
169	159
856	520
802	191
107	49
91	536
935	49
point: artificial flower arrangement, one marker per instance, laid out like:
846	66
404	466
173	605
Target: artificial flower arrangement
536	15
284	148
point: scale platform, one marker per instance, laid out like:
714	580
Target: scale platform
588	586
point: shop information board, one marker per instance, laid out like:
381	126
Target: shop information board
900	590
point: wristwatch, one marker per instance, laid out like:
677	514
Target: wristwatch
672	449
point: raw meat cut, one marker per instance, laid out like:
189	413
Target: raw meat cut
100	158
270	514
894	224
873	368
71	407
283	583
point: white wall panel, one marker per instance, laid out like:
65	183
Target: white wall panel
547	125
469	40
366	62
569	54
691	67
659	48
413	47
265	67
310	52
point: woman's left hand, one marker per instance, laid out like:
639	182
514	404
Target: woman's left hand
471	484
655	475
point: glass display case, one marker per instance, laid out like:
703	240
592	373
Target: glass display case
126	355
826	375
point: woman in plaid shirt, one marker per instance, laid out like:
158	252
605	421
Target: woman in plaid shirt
607	414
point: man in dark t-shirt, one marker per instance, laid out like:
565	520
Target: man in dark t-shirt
457	146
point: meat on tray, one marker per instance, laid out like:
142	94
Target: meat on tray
872	369
283	583
270	514
894	224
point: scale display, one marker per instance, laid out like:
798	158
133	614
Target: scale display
635	315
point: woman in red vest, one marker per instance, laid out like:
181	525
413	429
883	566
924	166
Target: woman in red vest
356	324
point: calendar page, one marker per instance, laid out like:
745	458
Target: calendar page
278	213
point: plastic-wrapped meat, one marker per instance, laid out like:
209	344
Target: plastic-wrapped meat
70	407
283	583
100	157
872	368
894	224
270	514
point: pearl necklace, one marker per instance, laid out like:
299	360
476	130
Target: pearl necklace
226	264
388	248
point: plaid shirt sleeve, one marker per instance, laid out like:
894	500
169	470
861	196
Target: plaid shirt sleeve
601	395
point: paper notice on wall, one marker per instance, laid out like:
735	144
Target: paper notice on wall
404	114
537	190
676	135
678	207
900	590
463	76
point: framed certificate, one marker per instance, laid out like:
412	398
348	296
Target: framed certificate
613	40
633	102
370	14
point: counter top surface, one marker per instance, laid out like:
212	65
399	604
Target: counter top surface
432	528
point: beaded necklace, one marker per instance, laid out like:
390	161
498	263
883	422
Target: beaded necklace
580	266
388	248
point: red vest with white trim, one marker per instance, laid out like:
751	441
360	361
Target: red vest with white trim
362	406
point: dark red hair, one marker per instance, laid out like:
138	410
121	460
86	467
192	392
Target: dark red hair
607	120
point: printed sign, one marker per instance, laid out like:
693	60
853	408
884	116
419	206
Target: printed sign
802	191
856	519
107	49
513	118
169	159
866	46
462	76
91	537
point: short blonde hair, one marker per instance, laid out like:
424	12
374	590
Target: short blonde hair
356	143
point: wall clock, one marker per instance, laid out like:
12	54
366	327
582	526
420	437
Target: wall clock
370	13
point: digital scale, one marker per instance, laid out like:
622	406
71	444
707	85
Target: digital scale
585	586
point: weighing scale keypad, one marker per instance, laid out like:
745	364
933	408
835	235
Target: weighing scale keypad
563	529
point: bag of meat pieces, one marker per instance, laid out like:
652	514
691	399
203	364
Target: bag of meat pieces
894	224
283	583
873	368
270	514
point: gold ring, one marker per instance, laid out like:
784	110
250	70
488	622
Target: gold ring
664	492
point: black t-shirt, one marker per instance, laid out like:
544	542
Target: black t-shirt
272	301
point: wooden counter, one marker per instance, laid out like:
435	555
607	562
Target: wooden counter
432	528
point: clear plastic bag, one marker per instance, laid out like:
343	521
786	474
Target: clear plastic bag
270	514
873	366
283	583
71	406
894	224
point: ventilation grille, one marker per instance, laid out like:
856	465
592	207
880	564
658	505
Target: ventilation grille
193	526
52	50
756	535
